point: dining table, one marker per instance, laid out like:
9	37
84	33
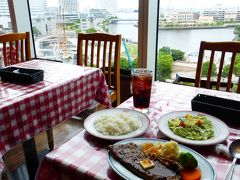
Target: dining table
85	156
29	109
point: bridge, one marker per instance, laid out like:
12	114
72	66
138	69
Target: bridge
117	20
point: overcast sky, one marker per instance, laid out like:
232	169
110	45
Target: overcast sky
198	3
163	3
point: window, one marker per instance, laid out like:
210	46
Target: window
56	25
5	18
184	24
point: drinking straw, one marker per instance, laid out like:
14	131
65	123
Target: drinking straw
128	56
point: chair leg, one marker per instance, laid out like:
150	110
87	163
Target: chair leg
50	139
5	174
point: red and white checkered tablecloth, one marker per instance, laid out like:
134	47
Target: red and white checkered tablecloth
26	110
84	156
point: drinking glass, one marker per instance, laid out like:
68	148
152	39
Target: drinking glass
141	88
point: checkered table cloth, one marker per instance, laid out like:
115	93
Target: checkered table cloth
84	156
26	110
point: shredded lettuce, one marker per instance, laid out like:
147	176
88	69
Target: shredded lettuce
192	127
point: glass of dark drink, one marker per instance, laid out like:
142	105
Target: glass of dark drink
141	88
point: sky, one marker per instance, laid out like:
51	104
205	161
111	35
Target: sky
83	4
198	3
133	4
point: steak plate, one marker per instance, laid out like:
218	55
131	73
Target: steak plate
130	155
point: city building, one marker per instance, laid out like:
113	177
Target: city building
5	20
181	18
203	20
217	14
230	15
111	6
98	13
85	24
37	8
68	6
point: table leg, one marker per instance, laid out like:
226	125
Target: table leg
31	157
50	139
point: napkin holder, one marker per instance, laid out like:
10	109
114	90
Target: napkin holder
225	109
21	75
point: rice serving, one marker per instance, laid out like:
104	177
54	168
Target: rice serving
116	124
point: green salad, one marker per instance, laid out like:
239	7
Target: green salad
192	127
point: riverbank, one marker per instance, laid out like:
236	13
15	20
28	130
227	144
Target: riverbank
200	27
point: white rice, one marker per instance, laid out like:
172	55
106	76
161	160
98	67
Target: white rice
116	124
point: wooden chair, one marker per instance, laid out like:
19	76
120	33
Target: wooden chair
102	51
15	47
223	47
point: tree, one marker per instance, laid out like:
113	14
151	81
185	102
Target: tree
36	32
237	69
237	33
78	31
205	69
237	59
177	54
225	71
164	66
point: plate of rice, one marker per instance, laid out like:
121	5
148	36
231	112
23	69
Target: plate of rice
116	124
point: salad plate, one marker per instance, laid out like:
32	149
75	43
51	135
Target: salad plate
207	171
221	130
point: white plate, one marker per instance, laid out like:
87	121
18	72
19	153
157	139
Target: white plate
207	171
221	130
144	123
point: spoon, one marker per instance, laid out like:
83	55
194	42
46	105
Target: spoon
234	150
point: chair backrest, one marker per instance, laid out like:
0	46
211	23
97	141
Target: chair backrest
102	50
15	47
230	48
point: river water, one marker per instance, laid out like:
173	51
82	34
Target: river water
187	40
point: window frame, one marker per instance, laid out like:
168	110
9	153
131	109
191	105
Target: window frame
12	15
147	37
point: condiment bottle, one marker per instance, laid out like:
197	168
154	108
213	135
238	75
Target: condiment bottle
2	65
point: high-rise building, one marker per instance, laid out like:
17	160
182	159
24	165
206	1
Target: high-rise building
68	6
37	8
5	20
4	10
109	5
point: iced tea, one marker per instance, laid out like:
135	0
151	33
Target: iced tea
141	88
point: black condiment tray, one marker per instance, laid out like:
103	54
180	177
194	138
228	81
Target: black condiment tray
225	109
21	75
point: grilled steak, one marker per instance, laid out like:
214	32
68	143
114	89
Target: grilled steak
130	155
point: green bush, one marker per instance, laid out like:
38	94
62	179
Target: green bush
124	64
205	69
164	66
91	30
135	63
